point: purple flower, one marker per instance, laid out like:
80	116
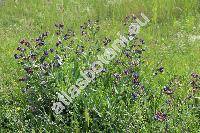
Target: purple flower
51	50
126	72
37	39
41	43
161	69
194	75
16	56
57	57
135	75
46	53
136	81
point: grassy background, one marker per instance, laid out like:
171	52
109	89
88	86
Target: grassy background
167	38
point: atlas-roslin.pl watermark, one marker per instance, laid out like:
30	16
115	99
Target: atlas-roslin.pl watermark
65	98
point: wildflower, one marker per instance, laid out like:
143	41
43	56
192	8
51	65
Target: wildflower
58	43
83	33
117	76
37	39
45	65
32	55
51	50
45	34
71	33
22	41
167	90
46	53
135	75
160	116
23	79
82	27
142	87
60	63
142	41
161	69
194	75
29	70
21	55
19	48
155	74
41	43
134	96
57	57
126	72
104	70
126	20
106	41
27	44
127	53
66	37
136	81
134	17
16	56
119	62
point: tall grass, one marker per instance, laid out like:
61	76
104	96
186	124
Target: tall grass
164	47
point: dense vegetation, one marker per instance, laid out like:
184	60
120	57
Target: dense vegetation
151	86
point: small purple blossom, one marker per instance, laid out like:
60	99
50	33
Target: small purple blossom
126	72
135	75
16	56
46	53
161	69
57	57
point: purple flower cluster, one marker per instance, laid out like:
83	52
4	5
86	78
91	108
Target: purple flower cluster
160	116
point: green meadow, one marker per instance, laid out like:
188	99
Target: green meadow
153	85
